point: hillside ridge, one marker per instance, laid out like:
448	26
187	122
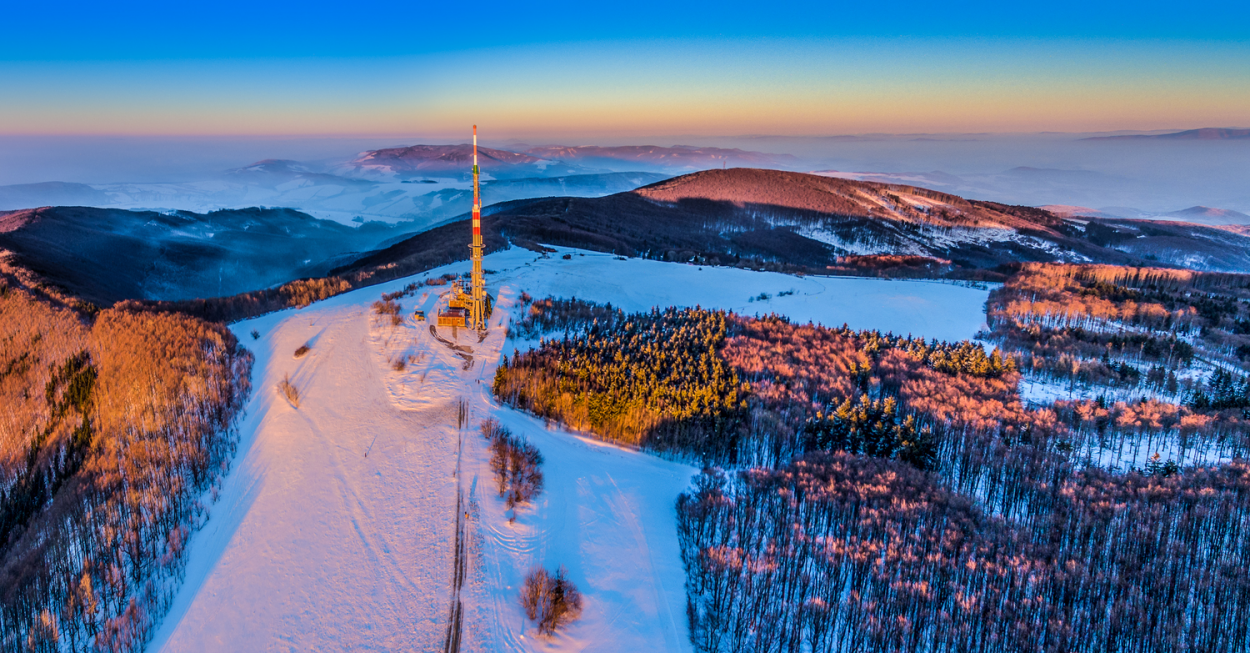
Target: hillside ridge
796	221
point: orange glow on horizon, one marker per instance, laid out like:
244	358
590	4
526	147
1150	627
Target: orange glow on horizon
663	90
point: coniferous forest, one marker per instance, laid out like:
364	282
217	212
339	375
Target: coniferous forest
869	492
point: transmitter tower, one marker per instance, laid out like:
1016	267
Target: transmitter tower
471	309
477	288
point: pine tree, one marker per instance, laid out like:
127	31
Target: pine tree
917	447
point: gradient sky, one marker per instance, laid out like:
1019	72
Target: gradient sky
605	70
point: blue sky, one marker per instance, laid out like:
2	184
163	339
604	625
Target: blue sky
621	68
80	31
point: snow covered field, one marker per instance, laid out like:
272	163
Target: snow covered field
923	308
336	528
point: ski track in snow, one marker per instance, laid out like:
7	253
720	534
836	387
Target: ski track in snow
314	545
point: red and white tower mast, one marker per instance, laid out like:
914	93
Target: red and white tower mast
477	294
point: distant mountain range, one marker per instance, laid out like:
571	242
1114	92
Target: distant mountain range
1204	134
1208	215
1196	214
677	157
446	161
450	203
418	202
418	184
551	160
20	196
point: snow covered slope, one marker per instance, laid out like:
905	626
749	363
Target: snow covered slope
337	527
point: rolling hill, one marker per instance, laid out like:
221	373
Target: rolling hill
793	220
228	265
1211	216
450	203
107	255
20	196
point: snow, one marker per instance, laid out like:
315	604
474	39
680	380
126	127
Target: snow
336	527
608	515
864	247
1038	391
312	545
1136	452
924	308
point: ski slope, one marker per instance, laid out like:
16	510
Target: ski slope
339	528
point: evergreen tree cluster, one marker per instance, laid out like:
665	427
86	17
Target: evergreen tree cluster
1224	390
873	428
656	380
958	358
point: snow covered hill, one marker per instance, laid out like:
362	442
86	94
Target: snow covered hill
337	527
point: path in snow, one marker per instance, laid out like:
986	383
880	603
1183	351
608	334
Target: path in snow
607	514
313	545
336	528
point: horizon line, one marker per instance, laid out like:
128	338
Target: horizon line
358	135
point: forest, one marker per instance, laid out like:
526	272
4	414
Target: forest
835	552
719	388
1159	331
116	422
889	493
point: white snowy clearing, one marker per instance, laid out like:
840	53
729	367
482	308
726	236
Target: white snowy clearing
337	527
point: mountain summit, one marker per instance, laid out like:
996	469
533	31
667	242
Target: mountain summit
1212	216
